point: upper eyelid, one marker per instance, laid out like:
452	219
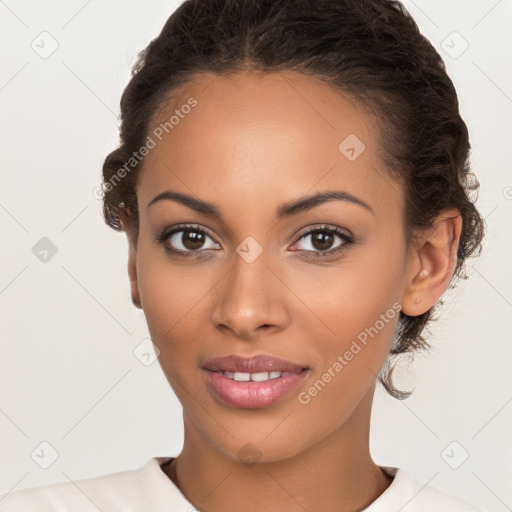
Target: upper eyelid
184	227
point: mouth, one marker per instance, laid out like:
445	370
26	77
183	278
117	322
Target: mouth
254	377
254	382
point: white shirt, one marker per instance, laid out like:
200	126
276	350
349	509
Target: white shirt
149	489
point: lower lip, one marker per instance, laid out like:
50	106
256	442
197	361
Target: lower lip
249	394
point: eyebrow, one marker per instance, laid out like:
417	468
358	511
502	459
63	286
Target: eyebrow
283	211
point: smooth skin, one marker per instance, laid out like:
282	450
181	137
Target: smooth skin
253	142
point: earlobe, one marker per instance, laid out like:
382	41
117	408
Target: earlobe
433	262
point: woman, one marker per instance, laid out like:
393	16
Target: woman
294	185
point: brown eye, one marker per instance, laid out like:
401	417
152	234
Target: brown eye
192	240
186	240
322	242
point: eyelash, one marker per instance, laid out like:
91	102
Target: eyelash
348	240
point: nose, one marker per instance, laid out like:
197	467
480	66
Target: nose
252	300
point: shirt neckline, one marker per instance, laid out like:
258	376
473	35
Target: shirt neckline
156	464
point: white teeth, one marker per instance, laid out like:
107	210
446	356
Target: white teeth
255	377
240	376
258	377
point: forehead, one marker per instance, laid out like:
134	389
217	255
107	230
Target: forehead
263	138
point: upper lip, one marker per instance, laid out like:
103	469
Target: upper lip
254	364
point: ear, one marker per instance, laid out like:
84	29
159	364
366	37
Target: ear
132	259
431	263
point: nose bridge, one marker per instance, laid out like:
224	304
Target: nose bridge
250	297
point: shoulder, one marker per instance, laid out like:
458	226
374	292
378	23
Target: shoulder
408	494
134	490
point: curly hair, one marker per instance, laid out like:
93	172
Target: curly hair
370	49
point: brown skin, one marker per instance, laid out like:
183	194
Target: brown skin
252	143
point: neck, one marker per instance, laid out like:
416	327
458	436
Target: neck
335	474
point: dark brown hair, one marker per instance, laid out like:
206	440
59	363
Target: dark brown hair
369	49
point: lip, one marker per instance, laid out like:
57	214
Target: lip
251	394
254	364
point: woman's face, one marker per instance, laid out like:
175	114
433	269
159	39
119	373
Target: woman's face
255	283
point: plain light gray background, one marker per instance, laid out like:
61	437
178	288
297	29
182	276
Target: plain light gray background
68	330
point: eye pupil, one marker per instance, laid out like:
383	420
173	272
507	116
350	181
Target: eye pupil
192	239
324	238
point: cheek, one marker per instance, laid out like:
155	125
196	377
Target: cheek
351	296
175	299
353	309
356	323
351	352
